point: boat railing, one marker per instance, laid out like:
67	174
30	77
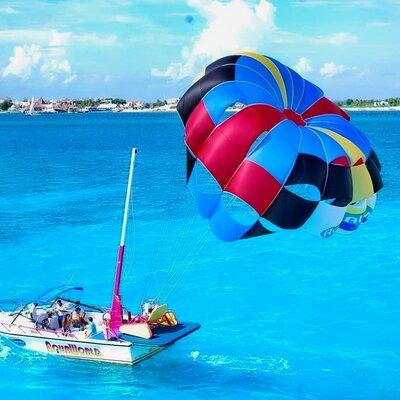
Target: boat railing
5	326
39	331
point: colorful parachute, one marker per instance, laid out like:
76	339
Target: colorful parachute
289	159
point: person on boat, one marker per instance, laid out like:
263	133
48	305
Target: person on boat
90	329
67	323
78	318
45	324
78	305
61	312
147	309
33	311
53	320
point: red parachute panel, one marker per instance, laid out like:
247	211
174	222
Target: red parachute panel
255	185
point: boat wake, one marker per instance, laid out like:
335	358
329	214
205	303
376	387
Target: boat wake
266	364
4	351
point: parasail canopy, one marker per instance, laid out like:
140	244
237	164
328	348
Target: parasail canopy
288	159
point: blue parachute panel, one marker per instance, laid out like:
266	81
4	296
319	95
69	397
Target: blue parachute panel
311	94
225	227
278	151
311	143
332	148
265	73
218	99
298	89
344	128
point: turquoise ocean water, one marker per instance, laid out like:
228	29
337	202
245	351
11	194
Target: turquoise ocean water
290	316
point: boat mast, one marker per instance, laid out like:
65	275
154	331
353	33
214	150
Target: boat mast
32	105
116	312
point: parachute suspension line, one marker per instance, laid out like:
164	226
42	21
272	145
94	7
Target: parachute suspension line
133	235
170	205
156	248
179	249
184	266
72	275
181	268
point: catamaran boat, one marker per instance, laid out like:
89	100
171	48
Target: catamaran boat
45	324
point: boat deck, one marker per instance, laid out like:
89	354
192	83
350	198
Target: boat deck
164	336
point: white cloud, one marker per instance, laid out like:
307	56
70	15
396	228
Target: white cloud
53	68
180	14
8	10
308	3
334	39
303	66
123	19
60	38
174	71
230	27
56	38
45	52
338	39
92	39
47	57
34	60
69	79
331	69
238	25
379	24
25	35
344	3
23	61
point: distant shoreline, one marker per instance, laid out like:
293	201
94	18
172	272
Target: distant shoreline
150	110
394	108
147	110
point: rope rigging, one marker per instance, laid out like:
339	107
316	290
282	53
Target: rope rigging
180	268
179	250
170	205
183	256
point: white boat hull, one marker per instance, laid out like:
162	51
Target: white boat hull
56	344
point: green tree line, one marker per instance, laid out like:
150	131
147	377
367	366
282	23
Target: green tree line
5	104
392	102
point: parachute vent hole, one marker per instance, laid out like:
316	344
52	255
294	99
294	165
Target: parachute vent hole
305	191
238	209
231	110
263	138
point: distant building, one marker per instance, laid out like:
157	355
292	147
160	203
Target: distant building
135	104
48	108
173	101
106	106
24	104
170	105
105	100
14	108
381	103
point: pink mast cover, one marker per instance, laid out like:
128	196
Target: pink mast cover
116	312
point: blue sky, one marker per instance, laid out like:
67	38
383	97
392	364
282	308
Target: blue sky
153	49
